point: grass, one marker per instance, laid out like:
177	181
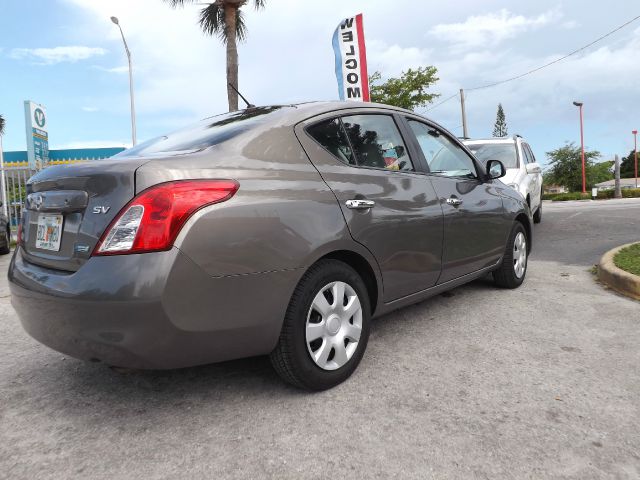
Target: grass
628	259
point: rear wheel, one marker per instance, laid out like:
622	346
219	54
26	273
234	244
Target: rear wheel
6	248
513	268
326	328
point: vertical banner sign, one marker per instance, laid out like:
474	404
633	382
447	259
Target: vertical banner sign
351	60
35	116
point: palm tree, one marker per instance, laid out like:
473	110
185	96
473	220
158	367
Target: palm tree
1	125
225	19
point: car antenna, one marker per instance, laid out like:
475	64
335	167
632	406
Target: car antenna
249	105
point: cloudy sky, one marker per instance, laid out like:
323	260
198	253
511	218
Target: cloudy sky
67	55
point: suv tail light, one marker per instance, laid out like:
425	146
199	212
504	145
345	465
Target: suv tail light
152	220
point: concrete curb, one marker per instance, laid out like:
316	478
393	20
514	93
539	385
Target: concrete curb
617	279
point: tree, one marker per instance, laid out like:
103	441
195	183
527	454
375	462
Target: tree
565	168
1	125
409	91
500	128
627	166
225	19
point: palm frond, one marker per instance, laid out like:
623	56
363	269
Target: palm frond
1	125
241	26
178	3
212	20
259	4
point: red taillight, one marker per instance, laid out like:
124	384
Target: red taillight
152	220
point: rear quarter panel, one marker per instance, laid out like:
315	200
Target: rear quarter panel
283	216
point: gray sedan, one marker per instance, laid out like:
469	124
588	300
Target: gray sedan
279	230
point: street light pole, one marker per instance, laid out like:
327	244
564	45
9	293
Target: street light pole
584	177
133	108
635	151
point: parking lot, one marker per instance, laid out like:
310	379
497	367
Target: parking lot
538	382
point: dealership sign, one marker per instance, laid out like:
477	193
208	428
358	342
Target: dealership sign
351	60
37	134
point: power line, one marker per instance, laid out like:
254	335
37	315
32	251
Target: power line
538	68
557	60
442	102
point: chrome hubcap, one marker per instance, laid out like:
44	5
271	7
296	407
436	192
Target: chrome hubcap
334	325
520	255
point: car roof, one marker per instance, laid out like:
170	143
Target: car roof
298	112
469	141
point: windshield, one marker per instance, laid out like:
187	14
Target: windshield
208	132
505	152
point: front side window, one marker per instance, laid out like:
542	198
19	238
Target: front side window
505	152
331	136
377	142
443	156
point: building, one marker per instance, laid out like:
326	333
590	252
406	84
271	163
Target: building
62	157
624	183
554	189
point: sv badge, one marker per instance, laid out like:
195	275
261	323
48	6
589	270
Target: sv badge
101	209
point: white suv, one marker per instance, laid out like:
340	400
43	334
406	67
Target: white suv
523	172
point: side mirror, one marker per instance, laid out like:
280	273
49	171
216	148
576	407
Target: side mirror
495	169
533	168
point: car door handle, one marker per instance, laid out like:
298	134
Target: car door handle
454	201
360	204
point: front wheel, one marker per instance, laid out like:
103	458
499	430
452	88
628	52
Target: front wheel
326	328
513	268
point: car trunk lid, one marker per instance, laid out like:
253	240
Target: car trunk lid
69	207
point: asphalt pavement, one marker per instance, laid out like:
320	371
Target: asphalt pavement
539	382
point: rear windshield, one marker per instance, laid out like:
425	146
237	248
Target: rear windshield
208	132
505	152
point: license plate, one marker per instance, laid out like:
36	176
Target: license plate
49	232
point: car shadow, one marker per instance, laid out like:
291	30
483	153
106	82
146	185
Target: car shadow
77	389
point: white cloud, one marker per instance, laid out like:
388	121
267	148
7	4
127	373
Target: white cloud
90	109
51	56
120	69
490	29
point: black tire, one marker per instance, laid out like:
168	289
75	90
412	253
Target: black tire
537	216
4	250
505	276
291	358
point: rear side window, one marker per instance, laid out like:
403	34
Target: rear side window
528	153
207	133
376	142
331	136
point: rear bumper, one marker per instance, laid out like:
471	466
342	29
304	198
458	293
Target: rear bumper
153	310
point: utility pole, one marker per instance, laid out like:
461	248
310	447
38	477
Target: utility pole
618	191
584	181
635	152
465	133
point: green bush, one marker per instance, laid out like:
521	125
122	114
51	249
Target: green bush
602	195
631	193
563	197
